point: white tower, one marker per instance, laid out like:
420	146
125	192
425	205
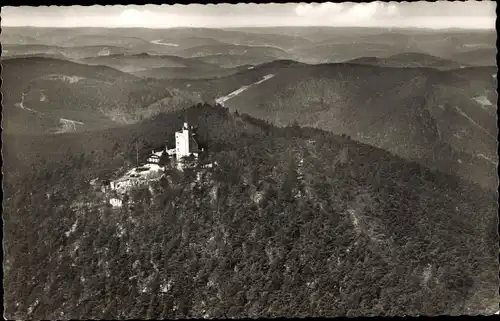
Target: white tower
182	142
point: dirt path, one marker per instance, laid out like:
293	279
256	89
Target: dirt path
223	99
461	112
21	105
159	42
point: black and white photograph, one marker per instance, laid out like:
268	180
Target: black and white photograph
226	161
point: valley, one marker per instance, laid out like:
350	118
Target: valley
229	67
206	172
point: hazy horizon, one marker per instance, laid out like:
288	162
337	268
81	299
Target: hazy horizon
260	27
421	15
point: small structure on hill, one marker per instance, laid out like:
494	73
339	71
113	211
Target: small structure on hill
136	177
116	202
155	157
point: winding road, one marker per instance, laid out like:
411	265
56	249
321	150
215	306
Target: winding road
21	105
159	42
66	124
461	112
223	99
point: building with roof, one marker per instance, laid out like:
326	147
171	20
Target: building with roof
155	157
185	144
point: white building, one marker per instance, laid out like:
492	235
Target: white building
104	52
185	145
171	152
116	202
136	177
155	157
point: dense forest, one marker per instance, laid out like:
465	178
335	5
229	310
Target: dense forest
441	119
38	91
292	222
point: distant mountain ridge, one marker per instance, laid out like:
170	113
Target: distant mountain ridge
145	61
177	73
477	57
16	50
410	59
306	44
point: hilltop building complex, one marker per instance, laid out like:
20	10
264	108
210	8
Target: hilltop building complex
153	168
185	146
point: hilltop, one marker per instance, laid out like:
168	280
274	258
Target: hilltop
230	55
341	51
210	90
58	52
180	73
266	51
104	40
409	60
292	222
332	45
184	38
443	119
174	67
145	61
232	61
478	57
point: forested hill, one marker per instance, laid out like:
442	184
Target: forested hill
292	222
39	92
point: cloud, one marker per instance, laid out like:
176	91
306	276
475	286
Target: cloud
135	16
354	12
364	10
392	9
440	14
146	18
318	10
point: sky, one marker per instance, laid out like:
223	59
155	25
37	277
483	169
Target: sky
436	15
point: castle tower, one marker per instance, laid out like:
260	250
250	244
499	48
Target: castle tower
182	142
